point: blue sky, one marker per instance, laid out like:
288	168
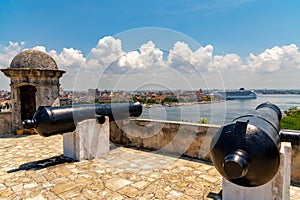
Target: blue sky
232	27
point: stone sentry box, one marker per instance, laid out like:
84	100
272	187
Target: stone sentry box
34	82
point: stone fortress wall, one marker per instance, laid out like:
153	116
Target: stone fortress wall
5	122
181	138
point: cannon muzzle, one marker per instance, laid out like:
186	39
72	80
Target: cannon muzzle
29	123
49	121
246	151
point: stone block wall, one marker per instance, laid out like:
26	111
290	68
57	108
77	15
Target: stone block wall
175	137
295	165
5	122
47	95
181	138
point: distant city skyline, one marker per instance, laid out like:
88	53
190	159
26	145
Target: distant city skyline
158	45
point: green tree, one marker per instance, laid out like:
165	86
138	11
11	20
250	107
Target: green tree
169	100
134	98
150	101
291	120
203	120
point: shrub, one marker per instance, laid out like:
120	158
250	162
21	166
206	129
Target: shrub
291	120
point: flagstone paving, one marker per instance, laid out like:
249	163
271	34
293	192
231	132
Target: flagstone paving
32	167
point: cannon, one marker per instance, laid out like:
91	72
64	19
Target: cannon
246	152
48	121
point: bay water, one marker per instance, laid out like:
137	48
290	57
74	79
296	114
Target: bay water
218	112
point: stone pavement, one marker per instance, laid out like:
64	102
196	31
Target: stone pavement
32	167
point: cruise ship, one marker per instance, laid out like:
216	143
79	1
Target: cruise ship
238	94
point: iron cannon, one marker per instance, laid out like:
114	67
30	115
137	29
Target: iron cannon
246	152
49	120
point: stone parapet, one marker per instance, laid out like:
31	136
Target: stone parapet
5	122
181	138
189	139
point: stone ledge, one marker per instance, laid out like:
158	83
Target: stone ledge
182	138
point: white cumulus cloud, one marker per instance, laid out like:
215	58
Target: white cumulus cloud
148	56
108	61
227	62
180	56
40	48
68	58
106	52
275	59
7	53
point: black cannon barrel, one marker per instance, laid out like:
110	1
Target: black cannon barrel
246	151
291	136
49	121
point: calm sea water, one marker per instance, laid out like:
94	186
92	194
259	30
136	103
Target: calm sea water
221	112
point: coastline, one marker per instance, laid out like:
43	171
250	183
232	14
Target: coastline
180	104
